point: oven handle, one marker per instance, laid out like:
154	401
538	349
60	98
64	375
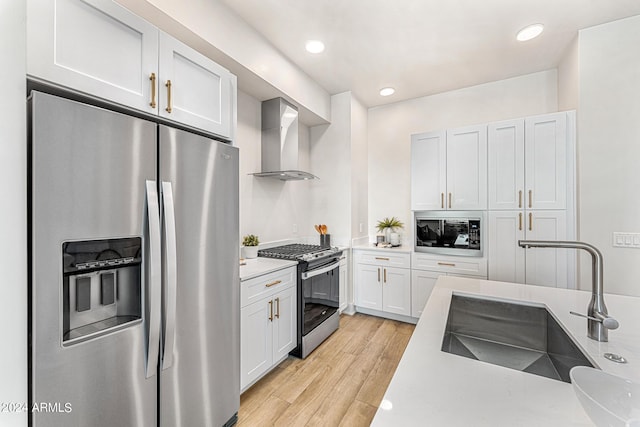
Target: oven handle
309	274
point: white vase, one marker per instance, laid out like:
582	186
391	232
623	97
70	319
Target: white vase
250	251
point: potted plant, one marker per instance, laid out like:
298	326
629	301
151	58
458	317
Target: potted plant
250	244
389	226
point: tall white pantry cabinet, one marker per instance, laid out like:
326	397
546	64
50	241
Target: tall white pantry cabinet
532	196
522	173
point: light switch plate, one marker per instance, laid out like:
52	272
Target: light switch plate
626	240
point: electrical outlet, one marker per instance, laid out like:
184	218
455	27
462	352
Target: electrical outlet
361	227
295	228
626	240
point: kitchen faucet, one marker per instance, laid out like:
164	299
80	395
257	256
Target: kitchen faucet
599	322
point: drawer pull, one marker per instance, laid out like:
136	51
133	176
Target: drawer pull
382	258
448	264
277	282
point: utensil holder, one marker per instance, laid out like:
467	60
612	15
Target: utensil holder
325	240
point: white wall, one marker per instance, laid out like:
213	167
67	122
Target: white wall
359	168
330	154
390	128
269	208
338	155
609	149
13	213
569	78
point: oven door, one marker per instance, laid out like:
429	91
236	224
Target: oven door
320	294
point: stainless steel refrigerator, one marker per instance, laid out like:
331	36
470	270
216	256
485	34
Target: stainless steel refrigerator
134	287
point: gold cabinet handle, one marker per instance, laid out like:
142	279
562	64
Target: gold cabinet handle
382	258
530	198
277	282
385	275
168	85
271	310
448	264
277	308
152	78
530	221
378	274
449	200
442	200
520	198
520	221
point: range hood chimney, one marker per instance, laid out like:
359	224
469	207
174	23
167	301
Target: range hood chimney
280	142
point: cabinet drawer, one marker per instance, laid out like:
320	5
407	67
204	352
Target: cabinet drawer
476	267
266	285
384	258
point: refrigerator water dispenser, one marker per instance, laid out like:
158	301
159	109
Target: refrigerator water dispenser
102	287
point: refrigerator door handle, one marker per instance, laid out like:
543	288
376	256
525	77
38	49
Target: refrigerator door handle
154	280
170	275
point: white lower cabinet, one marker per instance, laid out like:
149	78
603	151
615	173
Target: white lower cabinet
422	283
381	286
267	323
426	268
537	266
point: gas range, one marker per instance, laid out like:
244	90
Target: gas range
317	299
299	252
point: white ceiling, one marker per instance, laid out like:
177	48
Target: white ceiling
422	47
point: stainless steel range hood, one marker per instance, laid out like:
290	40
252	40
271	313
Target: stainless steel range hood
280	142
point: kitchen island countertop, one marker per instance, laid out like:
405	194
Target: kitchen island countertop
434	388
255	267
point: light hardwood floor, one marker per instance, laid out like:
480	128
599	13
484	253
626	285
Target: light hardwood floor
340	384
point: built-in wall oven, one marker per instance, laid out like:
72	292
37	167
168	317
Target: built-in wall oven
450	232
318	292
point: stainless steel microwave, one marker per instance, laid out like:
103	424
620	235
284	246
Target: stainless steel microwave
449	232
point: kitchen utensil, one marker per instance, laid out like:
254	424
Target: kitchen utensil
323	228
317	227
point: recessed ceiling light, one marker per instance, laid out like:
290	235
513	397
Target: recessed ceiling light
387	91
530	32
314	46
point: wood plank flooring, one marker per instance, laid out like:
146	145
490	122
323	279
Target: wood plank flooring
340	384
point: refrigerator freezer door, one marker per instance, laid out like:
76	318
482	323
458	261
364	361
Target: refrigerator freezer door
202	386
88	173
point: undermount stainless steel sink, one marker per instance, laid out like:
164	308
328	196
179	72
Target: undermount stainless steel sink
518	336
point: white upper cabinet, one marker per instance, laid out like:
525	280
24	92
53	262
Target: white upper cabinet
506	164
546	161
449	169
93	46
467	168
193	89
101	49
528	163
428	171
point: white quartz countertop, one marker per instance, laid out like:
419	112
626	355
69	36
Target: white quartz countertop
370	246
258	266
434	388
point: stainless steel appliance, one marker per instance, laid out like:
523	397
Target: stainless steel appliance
318	292
449	232
133	278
